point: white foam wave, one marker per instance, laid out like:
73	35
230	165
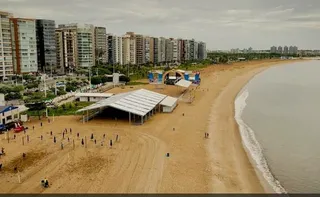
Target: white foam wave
252	145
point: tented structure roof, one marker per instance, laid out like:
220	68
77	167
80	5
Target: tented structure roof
93	94
139	102
169	101
183	83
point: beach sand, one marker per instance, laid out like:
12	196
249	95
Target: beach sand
138	163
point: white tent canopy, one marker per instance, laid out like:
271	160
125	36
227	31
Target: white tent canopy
183	83
169	101
139	102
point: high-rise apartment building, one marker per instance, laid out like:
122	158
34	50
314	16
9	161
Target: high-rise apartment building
202	51
110	48
67	49
191	50
151	44
147	49
293	50
119	52
24	45
84	45
162	50
169	51
280	50
140	49
129	48
101	45
273	49
6	64
182	50
156	50
46	46
196	52
286	50
175	51
115	53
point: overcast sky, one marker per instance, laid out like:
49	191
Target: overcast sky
222	24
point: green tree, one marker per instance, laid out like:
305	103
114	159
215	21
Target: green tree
96	80
35	102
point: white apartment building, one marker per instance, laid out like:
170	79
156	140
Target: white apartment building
129	50
6	64
24	45
187	49
175	51
86	46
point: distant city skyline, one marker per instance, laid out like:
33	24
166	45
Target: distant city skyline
221	24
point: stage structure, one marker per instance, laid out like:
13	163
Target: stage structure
173	76
155	78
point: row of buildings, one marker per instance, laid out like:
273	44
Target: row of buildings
292	50
32	45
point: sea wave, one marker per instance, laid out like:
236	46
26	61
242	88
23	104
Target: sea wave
252	145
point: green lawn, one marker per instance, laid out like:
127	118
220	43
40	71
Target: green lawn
64	110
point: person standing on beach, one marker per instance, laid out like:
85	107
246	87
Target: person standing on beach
54	139
41	124
78	135
110	143
33	127
51	133
70	131
41	137
82	142
104	136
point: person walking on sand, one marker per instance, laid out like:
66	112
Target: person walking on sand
27	138
41	124
63	135
54	139
95	141
61	146
70	131
110	143
51	133
82	142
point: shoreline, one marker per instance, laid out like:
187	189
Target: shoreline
250	178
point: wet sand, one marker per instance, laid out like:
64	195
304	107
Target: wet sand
138	163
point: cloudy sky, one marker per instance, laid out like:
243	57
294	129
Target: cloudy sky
222	24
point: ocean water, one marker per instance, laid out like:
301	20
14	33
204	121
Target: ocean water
279	121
